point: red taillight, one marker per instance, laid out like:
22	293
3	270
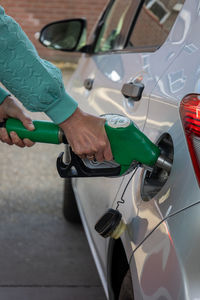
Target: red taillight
190	115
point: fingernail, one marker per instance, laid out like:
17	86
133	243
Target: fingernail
31	126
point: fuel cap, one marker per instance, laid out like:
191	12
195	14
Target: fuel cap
110	224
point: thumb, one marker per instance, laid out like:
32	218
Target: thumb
25	119
27	122
13	110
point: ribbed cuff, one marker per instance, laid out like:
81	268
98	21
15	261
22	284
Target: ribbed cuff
3	94
62	109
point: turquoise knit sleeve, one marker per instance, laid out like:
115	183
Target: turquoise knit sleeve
3	94
35	82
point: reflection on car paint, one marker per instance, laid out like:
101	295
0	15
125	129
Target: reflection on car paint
186	17
164	197
177	81
110	66
137	229
146	65
170	56
191	48
197	86
161	86
163	262
114	76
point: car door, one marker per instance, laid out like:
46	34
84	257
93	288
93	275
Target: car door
114	61
163	113
105	70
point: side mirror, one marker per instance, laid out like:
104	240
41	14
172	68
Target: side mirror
65	35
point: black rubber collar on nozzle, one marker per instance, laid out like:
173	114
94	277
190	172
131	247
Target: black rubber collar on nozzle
108	222
3	123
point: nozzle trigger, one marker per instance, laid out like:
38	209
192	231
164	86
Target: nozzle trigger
77	167
67	169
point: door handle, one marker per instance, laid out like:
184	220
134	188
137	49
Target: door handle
88	83
133	90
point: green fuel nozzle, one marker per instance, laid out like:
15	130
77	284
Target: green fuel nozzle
129	147
129	144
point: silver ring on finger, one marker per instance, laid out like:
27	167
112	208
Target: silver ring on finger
91	157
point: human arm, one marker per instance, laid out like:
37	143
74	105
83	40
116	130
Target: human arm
38	85
33	81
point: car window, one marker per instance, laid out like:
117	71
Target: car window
113	35
154	23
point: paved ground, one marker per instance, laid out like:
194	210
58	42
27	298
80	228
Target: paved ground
42	257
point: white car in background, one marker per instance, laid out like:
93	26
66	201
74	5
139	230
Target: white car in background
156	43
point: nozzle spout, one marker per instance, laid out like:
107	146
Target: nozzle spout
164	163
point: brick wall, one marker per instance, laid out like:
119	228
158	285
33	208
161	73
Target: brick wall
32	15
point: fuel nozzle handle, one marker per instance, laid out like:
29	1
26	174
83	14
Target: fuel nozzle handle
45	131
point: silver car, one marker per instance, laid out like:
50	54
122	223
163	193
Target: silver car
156	43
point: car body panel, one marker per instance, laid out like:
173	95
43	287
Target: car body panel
151	239
165	265
163	116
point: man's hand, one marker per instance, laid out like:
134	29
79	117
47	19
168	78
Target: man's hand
10	108
87	136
